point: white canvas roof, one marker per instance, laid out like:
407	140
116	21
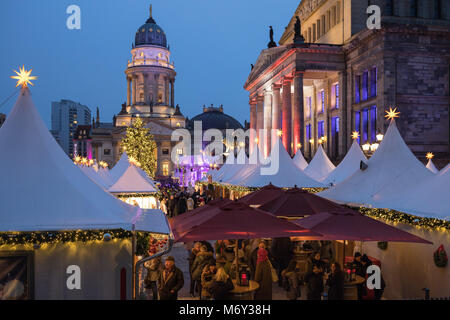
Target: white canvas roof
42	189
445	169
348	166
430	166
232	168
287	175
391	168
133	180
299	160
119	168
243	171
94	175
320	166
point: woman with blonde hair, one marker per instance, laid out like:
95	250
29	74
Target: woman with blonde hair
221	285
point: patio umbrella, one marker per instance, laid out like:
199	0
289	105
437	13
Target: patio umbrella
296	202
261	196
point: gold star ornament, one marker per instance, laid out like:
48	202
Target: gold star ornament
391	114
23	77
355	135
430	155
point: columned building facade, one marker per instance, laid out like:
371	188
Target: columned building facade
344	76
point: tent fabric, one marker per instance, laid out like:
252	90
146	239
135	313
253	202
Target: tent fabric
445	169
299	160
348	166
287	175
119	168
261	196
240	162
237	220
320	166
133	180
101	180
42	189
244	170
106	176
348	224
430	166
151	219
390	169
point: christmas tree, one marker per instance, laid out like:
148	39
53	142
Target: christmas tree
140	145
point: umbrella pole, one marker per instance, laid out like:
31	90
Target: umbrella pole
237	264
343	256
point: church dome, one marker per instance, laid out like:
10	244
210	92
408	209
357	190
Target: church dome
214	118
150	34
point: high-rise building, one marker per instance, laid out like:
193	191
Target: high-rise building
2	118
66	116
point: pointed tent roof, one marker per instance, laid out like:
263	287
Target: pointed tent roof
94	175
348	166
445	169
105	174
119	168
299	160
42	189
287	175
245	170
430	166
390	169
232	168
320	166
133	180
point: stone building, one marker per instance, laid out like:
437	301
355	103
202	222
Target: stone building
335	75
150	76
2	118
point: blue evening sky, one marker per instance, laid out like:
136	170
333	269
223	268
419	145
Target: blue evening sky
212	42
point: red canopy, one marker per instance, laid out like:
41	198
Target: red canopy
262	195
296	202
347	224
238	221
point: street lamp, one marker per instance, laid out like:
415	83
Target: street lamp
366	147
380	137
374	147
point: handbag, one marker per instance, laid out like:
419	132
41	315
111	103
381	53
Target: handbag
274	273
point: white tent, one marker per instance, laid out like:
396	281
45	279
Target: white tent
300	161
430	166
348	166
287	175
232	168
244	170
105	174
391	168
445	169
43	190
119	168
320	166
133	180
95	176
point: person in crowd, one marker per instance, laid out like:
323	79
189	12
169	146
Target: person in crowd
190	189
327	253
171	280
190	204
192	255
292	277
263	275
163	205
359	270
208	246
201	260
315	260
221	285
314	282
281	252
254	256
312	245
207	279
171	207
335	282
154	269
182	206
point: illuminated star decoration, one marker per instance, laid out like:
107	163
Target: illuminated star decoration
391	114
430	155
23	77
355	135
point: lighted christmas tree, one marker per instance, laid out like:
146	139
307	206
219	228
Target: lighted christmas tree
141	146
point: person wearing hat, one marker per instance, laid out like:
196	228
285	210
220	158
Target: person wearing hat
170	281
207	277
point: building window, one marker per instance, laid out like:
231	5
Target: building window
357	91
314	32
338	12
308	107
165	169
373	124
328	20
323	24
165	151
106	152
335	96
358	124
333	16
365	125
365	85
373	82
389	8
320	129
322	101
308	132
180	152
413	6
318	29
334	134
309	35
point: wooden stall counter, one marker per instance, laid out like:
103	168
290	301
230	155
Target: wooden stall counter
244	292
351	288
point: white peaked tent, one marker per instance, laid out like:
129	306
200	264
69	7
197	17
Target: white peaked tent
286	174
246	169
105	175
133	180
43	190
430	166
232	168
299	160
445	169
94	175
119	168
320	166
391	168
348	166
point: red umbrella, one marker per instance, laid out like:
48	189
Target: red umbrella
347	224
296	202
238	221
262	195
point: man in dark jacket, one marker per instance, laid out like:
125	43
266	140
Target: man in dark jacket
281	251
314	280
170	281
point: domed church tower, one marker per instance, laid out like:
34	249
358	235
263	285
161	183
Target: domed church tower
150	78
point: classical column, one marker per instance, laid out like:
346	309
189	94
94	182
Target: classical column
144	80
260	119
286	117
252	124
276	110
128	91
298	111
166	91
134	80
156	90
343	133
267	121
172	93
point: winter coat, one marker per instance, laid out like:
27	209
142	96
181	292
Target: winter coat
281	251
206	280
314	285
201	260
154	268
220	290
190	204
174	281
336	286
263	275
327	251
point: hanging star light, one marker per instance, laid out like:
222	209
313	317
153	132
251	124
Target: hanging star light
355	135
391	114
23	77
430	155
